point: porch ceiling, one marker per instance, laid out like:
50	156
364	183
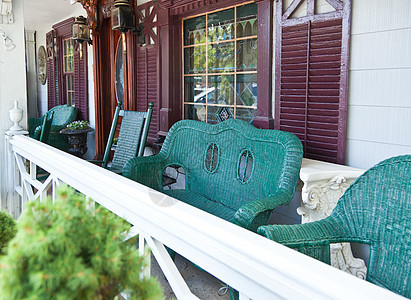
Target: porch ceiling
40	12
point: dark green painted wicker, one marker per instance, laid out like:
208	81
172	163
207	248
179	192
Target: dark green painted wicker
42	132
63	115
375	210
213	158
131	138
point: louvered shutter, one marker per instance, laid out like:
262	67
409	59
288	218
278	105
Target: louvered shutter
311	88
51	71
80	82
147	66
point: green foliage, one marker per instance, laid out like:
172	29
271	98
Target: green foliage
64	251
7	230
76	125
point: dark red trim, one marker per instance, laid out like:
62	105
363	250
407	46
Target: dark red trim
345	60
51	70
264	65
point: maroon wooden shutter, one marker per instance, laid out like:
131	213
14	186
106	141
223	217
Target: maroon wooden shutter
51	71
147	66
80	82
311	77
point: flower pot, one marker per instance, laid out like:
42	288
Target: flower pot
77	139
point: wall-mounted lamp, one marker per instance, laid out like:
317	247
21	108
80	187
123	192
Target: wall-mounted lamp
81	33
122	19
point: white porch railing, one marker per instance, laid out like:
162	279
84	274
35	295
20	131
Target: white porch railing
255	266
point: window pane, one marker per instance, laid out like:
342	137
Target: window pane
247	20
246	114
195	60
221	57
195	31
221	25
119	72
220	114
70	89
247	90
195	89
221	89
247	55
195	112
68	53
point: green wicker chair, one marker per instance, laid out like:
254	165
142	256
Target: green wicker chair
63	115
233	170
375	210
131	138
42	132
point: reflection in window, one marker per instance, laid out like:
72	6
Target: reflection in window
220	64
68	70
119	72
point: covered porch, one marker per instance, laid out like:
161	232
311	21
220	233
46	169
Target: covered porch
377	120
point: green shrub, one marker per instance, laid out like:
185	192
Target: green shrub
7	230
63	251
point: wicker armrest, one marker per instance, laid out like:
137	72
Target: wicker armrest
256	213
323	232
146	170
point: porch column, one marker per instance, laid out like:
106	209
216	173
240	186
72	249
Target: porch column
169	71
13	85
264	117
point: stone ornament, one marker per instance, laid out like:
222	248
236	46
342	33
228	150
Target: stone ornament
323	184
16	115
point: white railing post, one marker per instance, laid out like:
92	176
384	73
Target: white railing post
13	180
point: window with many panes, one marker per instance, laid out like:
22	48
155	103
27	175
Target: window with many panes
68	70
220	65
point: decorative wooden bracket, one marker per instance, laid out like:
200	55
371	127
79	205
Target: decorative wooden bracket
91	7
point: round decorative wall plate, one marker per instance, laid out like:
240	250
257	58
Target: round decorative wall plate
41	65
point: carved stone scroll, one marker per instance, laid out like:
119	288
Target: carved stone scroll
323	184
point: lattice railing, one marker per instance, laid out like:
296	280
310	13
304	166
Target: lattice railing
257	267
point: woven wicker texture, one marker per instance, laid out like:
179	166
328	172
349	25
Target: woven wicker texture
128	138
374	210
42	132
233	170
63	115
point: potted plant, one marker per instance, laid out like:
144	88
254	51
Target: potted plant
76	133
7	230
63	250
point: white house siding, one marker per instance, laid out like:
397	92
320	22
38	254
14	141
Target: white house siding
379	106
12	84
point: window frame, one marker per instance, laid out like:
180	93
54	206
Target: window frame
170	51
66	74
234	106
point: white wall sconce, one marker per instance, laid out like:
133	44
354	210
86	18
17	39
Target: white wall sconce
8	43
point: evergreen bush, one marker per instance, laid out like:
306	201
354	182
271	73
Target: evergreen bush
7	230
64	251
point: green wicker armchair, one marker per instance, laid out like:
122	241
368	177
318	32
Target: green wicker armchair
42	132
374	210
233	170
63	115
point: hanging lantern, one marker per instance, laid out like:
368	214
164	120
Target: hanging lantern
81	32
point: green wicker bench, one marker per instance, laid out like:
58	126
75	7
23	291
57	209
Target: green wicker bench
232	170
